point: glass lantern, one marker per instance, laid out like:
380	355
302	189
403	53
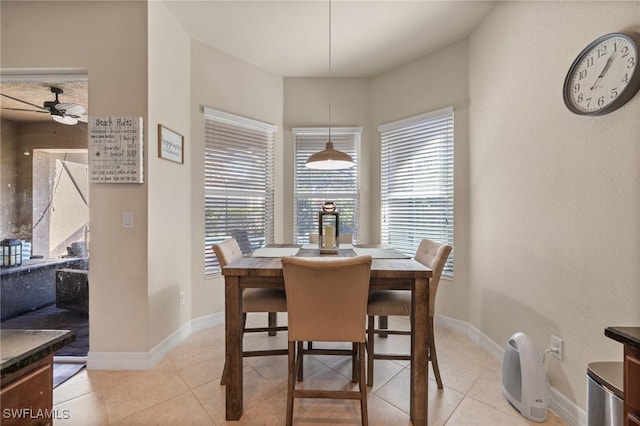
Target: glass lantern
11	250
328	228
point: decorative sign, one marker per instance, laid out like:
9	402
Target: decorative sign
170	144
115	150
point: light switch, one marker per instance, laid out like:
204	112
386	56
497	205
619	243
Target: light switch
127	219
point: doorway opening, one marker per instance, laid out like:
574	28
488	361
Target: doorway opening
44	202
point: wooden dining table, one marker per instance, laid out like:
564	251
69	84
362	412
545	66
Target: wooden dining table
390	270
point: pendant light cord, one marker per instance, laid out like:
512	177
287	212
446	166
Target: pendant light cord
330	92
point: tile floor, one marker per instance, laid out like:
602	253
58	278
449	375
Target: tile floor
184	389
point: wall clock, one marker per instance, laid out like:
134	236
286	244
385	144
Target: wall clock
604	76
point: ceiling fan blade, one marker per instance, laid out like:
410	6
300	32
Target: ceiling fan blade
27	110
25	102
64	119
73	110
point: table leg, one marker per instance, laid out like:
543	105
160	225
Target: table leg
419	410
233	342
273	322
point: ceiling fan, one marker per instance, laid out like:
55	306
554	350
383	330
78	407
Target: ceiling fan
65	113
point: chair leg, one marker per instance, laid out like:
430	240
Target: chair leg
273	322
363	386
291	381
300	361
432	354
354	363
383	324
370	353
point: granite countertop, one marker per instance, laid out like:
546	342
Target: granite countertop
31	264
625	335
19	348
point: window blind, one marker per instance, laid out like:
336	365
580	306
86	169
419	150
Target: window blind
238	179
314	187
417	181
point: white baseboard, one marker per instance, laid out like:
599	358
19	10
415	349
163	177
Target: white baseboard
569	412
146	360
207	321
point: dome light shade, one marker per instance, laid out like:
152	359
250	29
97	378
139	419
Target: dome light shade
330	159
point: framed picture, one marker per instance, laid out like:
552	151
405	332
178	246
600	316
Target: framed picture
170	145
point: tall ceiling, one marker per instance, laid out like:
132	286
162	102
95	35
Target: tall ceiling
295	38
291	38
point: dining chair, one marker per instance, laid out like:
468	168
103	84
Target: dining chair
269	300
383	303
314	238
326	302
242	237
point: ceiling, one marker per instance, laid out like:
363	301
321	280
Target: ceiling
291	38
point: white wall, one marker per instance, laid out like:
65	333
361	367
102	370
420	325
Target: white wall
169	195
555	197
427	84
223	82
306	104
109	39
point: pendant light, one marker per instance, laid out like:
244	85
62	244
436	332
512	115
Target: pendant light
330	158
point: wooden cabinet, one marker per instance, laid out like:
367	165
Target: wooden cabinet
631	385
26	376
27	394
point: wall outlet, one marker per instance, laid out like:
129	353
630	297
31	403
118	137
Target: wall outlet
556	347
182	298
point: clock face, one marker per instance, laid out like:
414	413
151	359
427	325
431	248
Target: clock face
604	76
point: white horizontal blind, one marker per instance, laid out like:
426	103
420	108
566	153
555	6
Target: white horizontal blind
238	180
314	187
417	181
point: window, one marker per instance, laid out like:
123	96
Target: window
238	179
314	187
417	181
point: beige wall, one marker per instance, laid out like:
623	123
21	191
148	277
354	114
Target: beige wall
169	183
109	40
427	84
306	104
555	197
223	82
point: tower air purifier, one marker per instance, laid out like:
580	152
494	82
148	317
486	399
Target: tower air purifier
523	378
